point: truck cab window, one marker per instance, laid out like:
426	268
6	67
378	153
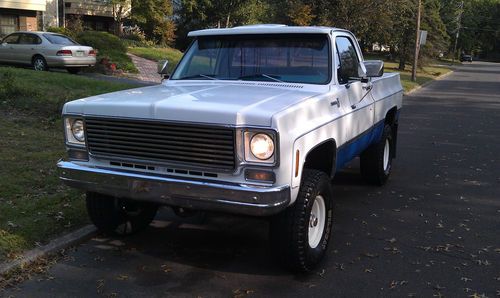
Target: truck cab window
348	60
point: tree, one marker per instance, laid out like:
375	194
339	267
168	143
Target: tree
121	11
155	18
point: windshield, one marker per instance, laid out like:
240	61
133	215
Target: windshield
60	39
294	58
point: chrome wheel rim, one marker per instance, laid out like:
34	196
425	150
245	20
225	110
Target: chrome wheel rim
39	64
387	151
317	220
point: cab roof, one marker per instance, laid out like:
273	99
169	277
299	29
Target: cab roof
264	29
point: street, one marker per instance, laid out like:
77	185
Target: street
433	229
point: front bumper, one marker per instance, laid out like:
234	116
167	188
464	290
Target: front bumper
176	191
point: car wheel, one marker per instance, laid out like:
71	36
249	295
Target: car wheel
73	70
39	63
376	161
300	235
117	216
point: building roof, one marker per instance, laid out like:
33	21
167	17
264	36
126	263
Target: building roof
264	29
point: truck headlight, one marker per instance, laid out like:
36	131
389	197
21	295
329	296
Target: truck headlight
262	146
75	132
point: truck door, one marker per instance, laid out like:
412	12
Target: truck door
360	114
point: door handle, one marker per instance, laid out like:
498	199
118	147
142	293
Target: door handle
335	103
368	87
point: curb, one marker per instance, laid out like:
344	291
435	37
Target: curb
429	82
52	247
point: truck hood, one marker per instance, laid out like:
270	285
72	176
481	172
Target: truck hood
215	102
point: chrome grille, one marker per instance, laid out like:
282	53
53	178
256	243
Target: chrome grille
190	145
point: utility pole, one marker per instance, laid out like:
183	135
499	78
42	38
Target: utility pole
459	26
417	43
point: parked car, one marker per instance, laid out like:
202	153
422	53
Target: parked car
465	58
43	50
255	120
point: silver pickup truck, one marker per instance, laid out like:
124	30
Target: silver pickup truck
254	120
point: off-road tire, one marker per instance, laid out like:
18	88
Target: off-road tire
373	168
119	217
289	230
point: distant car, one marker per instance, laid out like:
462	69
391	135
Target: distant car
43	50
467	58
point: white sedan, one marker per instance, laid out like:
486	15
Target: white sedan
43	50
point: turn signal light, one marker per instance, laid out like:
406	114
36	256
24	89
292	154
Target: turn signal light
260	176
64	53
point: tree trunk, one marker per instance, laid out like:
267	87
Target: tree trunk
227	19
402	61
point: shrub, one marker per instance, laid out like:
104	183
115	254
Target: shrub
63	31
102	41
108	46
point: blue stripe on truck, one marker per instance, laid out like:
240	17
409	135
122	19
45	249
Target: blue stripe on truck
354	147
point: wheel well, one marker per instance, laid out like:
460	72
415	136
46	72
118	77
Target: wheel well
322	157
390	117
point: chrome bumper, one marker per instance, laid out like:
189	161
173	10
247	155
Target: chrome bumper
194	194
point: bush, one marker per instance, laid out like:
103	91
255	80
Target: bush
108	46
102	41
63	31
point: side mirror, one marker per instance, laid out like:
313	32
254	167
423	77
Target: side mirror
374	68
163	67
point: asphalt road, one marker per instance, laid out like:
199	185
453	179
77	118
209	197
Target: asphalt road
432	230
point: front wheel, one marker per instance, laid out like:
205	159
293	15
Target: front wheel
118	216
376	161
300	235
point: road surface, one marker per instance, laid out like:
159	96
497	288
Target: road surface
434	229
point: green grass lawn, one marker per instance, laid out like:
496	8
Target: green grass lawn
156	54
424	75
34	205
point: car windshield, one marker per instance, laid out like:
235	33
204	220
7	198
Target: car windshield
60	39
294	58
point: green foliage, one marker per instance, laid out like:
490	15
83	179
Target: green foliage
63	31
44	93
108	46
154	17
34	205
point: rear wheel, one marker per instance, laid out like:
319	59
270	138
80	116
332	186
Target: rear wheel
39	63
73	70
119	216
300	235
376	161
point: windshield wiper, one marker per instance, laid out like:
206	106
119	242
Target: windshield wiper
261	75
207	76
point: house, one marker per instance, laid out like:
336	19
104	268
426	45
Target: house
32	15
18	15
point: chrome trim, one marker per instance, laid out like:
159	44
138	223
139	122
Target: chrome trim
198	194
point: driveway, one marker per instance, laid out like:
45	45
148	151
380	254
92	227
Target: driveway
432	230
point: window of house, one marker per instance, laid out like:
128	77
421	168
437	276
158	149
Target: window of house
8	24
